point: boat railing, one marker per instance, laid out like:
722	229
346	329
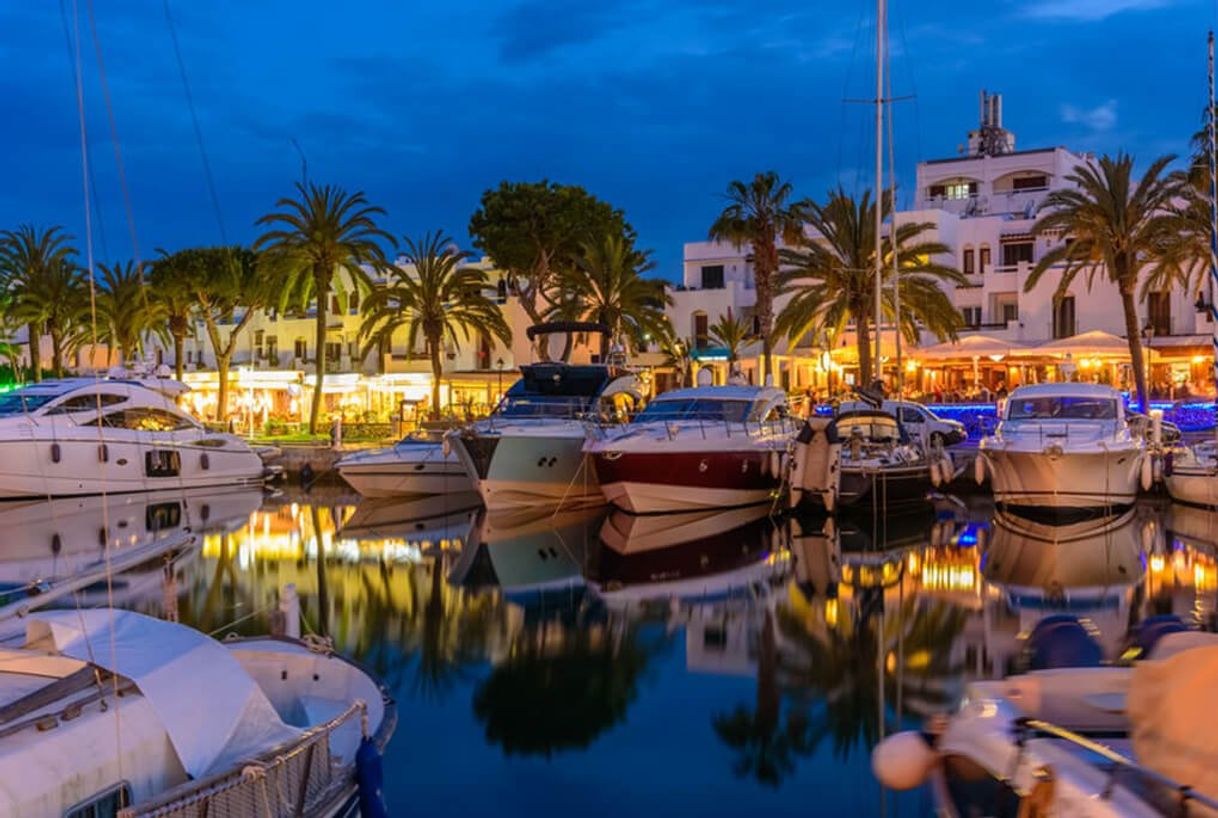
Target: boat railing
298	779
1183	793
707	427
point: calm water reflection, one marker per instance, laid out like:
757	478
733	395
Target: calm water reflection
696	663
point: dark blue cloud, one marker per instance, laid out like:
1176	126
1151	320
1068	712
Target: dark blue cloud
652	104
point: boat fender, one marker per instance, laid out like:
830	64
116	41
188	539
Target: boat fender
1061	641
936	478
370	777
829	498
903	761
775	464
1150	630
979	468
1148	474
948	468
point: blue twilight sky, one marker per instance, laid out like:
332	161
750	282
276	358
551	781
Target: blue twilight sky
651	104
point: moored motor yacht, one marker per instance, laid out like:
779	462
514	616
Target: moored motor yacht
103	715
1191	474
417	464
709	447
92	436
878	462
1063	446
530	451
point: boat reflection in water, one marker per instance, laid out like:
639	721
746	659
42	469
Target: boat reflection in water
774	651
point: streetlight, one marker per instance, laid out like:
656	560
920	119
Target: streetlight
499	366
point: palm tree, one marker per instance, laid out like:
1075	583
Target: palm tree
832	277
732	333
606	284
436	296
1115	228
172	289
678	356
322	232
126	312
759	214
38	267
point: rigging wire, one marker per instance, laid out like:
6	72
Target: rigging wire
107	553
194	119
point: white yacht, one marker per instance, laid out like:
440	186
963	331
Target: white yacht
1063	446
92	436
418	464
102	713
530	451
710	447
1191	474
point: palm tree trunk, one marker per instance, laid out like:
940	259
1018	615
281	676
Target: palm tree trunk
35	336
222	361
863	344
437	371
323	294
179	341
57	352
1133	333
763	278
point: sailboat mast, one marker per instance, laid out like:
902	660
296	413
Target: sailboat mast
892	240
1213	279
879	184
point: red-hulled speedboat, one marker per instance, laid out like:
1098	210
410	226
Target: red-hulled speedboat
704	448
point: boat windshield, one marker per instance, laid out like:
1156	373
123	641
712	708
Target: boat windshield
1061	408
729	411
22	401
543	406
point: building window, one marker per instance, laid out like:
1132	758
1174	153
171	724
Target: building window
972	316
353	302
258	338
1010	312
712	277
272	349
953	190
701	331
1014	252
501	290
983	259
1158	312
1063	317
334	308
301	351
969	266
1038	182
334	352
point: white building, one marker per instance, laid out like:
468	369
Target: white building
983	205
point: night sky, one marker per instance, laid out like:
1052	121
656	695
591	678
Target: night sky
651	104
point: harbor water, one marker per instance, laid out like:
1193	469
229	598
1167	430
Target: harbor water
719	663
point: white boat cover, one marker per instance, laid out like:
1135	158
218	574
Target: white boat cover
1173	719
215	714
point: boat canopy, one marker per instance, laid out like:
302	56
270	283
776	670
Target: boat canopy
214	713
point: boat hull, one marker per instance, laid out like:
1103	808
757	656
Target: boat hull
1193	480
647	482
89	466
513	471
405	472
887	486
1092	479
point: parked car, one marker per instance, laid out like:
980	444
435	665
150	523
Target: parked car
919	422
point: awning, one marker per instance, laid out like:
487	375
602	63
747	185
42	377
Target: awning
1095	342
967	348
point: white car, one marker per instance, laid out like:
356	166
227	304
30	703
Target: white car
919	422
